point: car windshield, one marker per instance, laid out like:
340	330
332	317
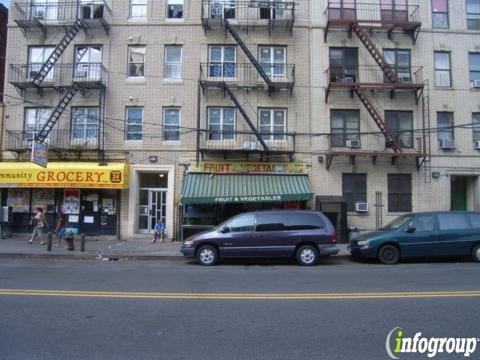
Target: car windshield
397	223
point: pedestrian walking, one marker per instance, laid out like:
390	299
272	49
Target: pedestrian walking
39	223
159	232
60	228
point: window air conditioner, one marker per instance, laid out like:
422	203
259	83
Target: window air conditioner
476	83
39	14
361	207
447	144
477	145
353	143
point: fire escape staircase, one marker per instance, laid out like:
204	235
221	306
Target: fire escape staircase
390	141
42	135
240	108
231	29
57	52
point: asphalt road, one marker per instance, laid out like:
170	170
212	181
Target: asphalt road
178	310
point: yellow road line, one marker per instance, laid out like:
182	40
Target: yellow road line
238	296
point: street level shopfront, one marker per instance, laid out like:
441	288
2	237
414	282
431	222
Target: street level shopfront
213	192
87	193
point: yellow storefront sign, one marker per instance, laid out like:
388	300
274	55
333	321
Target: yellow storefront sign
64	175
248	167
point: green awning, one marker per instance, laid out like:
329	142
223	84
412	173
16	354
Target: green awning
205	188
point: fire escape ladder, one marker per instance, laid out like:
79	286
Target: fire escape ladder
376	54
231	29
57	52
230	93
378	120
57	112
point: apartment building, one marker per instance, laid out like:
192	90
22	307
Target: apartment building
192	111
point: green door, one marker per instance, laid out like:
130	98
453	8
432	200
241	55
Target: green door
459	193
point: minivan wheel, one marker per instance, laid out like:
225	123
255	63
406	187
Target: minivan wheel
389	255
207	255
307	255
476	253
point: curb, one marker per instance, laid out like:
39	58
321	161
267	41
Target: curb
113	257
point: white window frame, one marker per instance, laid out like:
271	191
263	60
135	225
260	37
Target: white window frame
130	62
136	5
40	117
270	67
439	82
48	9
85	67
271	126
177	67
222	62
175	3
83	124
127	123
225	135
169	127
35	66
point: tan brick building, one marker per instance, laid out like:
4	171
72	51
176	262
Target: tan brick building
354	91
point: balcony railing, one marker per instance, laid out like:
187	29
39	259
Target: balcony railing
245	74
54	13
215	12
218	141
409	141
78	140
348	11
89	75
373	76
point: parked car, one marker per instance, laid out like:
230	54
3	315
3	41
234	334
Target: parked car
305	235
428	234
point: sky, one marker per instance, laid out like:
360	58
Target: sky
4	2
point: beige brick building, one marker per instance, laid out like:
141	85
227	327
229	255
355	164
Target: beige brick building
353	90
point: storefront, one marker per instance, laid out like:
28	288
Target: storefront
214	192
87	193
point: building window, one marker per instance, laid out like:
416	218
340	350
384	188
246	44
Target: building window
273	60
221	123
394	10
138	9
400	62
134	123
341	9
173	62
37	56
344	125
445	126
44	10
222	61
175	9
222	9
400	127
399	192
343	65
272	123
473	14
474	68
442	69
88	61
171	124
476	126
35	119
85	122
440	14
136	61
354	189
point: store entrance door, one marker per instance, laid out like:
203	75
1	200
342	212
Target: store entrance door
89	221
152	206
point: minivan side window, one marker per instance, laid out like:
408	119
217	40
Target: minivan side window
304	222
453	222
270	222
423	223
242	223
474	220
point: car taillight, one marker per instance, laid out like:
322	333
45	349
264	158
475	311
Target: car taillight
334	238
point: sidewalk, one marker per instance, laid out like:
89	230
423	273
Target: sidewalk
137	247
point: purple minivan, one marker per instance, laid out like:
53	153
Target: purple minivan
305	235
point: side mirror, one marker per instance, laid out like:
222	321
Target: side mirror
224	230
410	229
